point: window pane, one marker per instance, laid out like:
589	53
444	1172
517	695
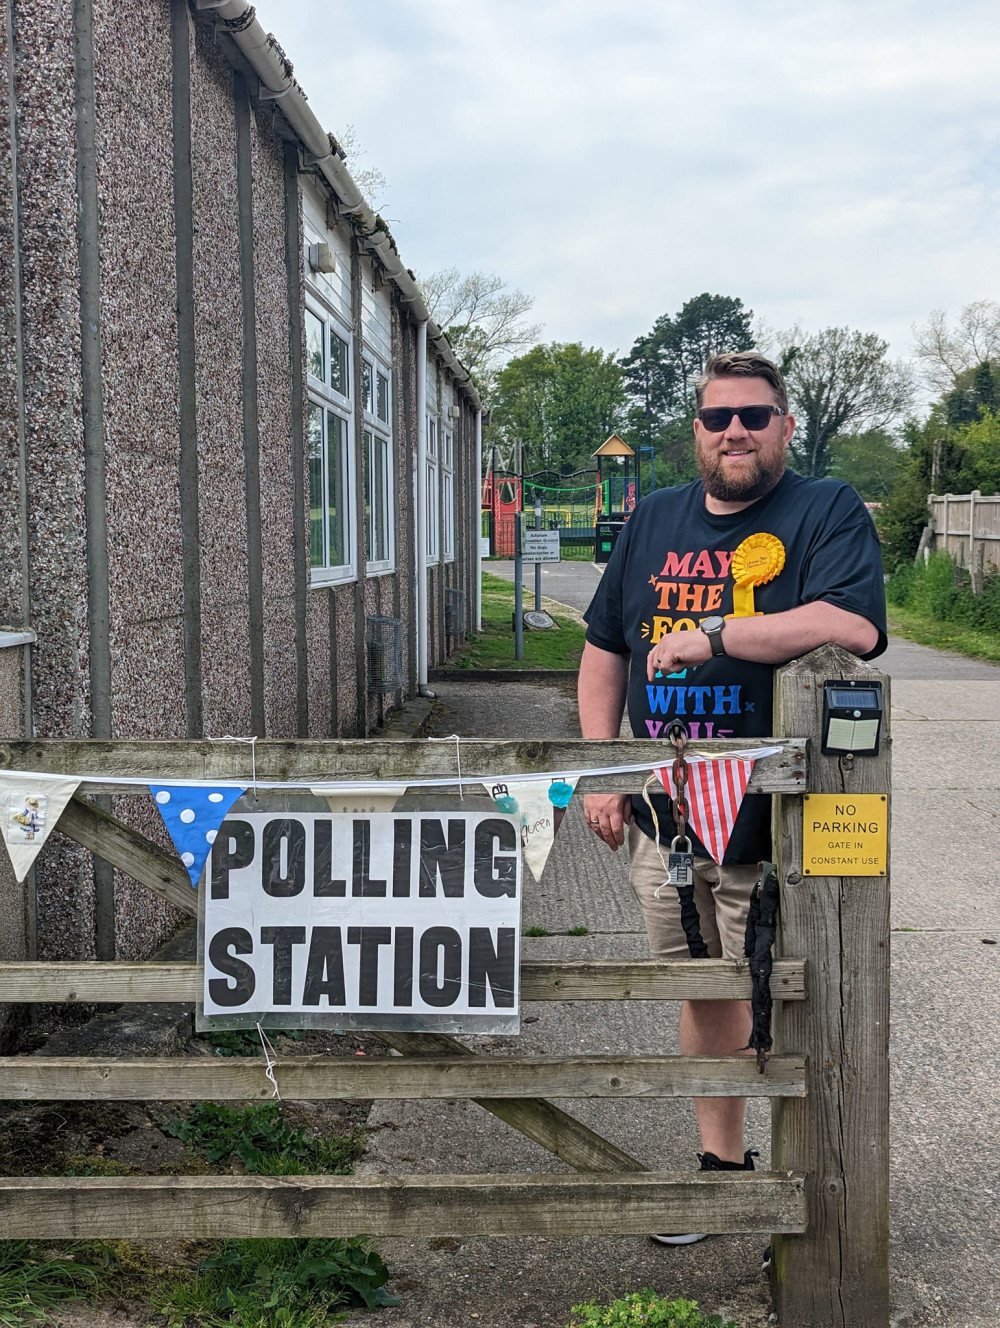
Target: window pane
369	492
339	379
316	558
449	514
382	384
432	438
368	389
377	497
336	467
315	362
382	498
432	510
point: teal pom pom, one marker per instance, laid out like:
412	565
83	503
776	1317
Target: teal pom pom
506	804
560	793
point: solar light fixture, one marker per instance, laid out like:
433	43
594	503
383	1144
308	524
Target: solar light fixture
852	717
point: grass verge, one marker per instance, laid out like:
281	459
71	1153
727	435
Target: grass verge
493	648
289	1283
33	1281
927	631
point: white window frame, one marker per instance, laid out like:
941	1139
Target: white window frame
321	393
432	552
379	444
448	495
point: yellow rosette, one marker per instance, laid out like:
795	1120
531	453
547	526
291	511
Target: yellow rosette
758	560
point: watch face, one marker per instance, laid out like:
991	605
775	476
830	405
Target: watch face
712	624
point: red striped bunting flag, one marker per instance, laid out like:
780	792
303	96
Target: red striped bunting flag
715	792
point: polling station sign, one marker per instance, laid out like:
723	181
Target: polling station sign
388	920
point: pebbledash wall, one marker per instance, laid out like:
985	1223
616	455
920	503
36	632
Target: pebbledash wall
209	361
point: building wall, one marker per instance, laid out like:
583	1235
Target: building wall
222	511
157	378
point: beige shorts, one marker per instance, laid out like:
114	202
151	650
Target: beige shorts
721	895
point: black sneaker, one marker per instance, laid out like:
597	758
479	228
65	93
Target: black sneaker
709	1162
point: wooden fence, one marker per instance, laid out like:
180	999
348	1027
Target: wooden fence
966	526
825	1200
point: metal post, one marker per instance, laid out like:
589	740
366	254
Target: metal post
538	566
518	590
493	503
519	561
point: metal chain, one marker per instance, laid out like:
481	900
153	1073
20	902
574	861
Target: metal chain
677	736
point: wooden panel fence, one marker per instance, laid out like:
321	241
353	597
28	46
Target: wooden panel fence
967	527
825	1201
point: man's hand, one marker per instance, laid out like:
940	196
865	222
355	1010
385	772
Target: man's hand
606	815
676	651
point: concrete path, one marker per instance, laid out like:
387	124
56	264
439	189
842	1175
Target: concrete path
945	1042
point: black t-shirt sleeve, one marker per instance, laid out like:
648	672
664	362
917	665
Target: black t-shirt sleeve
844	566
604	619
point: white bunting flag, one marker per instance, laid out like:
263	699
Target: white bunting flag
541	805
715	792
361	799
30	807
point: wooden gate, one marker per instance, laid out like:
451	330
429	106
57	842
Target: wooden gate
825	1200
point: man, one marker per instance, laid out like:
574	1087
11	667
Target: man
666	631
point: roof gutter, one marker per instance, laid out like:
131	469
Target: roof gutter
272	68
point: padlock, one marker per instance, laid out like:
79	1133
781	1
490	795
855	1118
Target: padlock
680	865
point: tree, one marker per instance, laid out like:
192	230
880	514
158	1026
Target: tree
872	462
663	365
484	320
560	401
662	368
946	353
839	380
975	390
369	179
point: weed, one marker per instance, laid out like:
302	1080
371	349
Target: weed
95	1164
577	931
243	1042
122	1268
644	1307
262	1140
275	1284
536	931
31	1283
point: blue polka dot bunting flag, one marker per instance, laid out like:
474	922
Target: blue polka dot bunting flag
192	815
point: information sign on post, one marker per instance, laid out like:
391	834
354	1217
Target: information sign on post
541	546
844	834
388	920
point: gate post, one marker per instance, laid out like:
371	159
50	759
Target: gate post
836	1275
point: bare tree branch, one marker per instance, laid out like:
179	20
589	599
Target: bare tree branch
369	179
484	320
945	353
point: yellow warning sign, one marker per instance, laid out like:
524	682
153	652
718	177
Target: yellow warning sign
844	834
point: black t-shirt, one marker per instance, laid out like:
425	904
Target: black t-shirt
671	568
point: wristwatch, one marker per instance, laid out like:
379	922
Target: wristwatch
712	627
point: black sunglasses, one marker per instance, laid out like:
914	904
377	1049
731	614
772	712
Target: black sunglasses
755	418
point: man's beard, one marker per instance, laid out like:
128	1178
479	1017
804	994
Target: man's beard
756	482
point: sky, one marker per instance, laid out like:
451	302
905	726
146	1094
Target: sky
831	164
